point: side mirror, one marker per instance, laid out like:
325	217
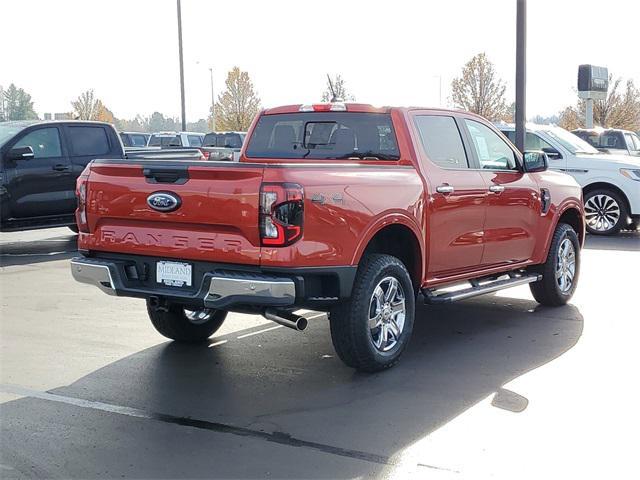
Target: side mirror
20	153
552	153
535	161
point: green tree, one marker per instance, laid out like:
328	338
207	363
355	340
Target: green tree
17	104
238	104
338	88
479	90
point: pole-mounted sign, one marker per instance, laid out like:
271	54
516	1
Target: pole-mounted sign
593	84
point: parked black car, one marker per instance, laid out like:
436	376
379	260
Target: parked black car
39	164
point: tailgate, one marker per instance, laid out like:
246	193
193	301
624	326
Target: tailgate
216	219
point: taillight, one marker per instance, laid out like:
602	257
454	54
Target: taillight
281	213
205	154
82	186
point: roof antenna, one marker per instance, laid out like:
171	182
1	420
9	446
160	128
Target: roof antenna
334	98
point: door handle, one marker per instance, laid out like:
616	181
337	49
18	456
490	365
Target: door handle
496	189
61	167
445	189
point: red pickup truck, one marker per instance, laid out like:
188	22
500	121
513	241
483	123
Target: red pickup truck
344	208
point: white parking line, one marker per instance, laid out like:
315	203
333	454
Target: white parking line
316	316
215	344
259	332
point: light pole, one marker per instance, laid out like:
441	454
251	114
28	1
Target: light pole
213	103
521	72
184	115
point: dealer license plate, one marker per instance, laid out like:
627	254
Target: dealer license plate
174	274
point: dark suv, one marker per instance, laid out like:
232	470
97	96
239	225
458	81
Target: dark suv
39	164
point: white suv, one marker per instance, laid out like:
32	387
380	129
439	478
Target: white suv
610	183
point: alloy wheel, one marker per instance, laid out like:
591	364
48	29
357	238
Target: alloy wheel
387	311
197	317
602	212
566	265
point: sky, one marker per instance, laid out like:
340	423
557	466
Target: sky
389	52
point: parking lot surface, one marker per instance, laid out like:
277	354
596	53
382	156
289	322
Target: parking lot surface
494	387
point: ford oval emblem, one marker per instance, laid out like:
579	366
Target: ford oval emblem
164	201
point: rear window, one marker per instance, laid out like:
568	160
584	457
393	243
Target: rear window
194	140
88	141
324	136
225	140
156	141
138	140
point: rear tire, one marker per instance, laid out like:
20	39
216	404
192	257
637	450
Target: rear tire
183	325
561	270
371	330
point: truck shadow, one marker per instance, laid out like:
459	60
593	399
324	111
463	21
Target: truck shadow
287	385
37	251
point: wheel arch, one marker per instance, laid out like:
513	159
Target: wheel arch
572	215
395	235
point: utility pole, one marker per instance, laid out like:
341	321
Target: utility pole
521	73
213	103
184	115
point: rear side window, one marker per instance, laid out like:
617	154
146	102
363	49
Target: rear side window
324	136
442	141
88	141
44	141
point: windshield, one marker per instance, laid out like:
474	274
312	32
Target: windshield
570	141
9	130
324	136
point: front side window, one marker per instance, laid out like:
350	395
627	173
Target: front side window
441	140
88	141
324	136
493	152
45	142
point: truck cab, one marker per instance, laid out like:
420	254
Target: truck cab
40	163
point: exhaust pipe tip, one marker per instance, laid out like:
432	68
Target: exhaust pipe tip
286	319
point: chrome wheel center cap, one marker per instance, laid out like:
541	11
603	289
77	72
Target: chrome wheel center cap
386	311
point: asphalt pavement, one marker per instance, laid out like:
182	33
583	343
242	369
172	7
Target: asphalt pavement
493	387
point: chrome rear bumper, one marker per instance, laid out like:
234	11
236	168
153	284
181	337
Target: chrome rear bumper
217	289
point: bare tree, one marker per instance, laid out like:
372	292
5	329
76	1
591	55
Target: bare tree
339	89
479	90
617	110
570	119
238	104
87	106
